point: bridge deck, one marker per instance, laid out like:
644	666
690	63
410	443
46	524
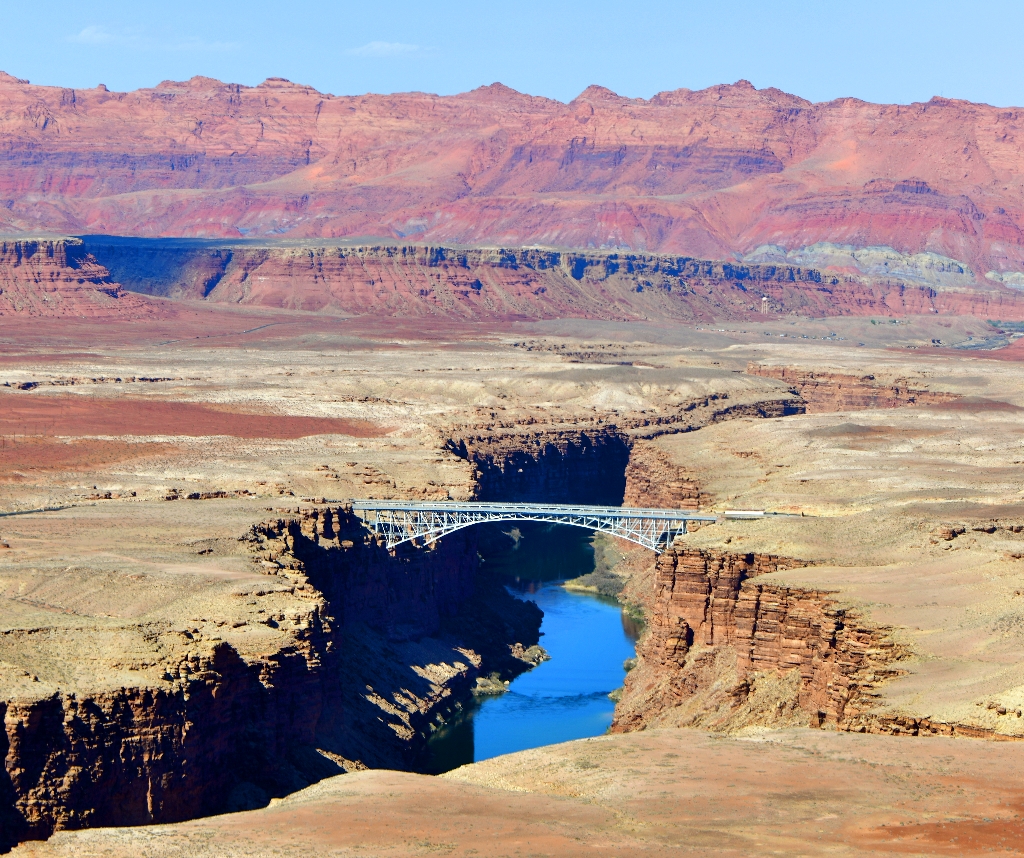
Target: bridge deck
406	521
542	508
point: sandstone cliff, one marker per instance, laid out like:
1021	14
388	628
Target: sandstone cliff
548	465
652	480
56	277
725	650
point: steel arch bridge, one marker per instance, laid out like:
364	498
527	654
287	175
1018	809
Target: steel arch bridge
401	521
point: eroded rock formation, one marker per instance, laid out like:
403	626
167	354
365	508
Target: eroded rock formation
653	480
219	731
825	391
712	173
548	465
727	650
57	277
406	279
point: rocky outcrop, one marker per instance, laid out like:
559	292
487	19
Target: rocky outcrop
402	595
715	173
414	628
652	480
57	277
219	733
382	646
824	391
726	650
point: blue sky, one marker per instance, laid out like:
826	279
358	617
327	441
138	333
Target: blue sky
892	51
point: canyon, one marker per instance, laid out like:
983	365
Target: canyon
198	586
148	621
170	703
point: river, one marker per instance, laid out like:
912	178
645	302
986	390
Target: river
588	638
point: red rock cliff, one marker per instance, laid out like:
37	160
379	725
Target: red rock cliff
725	649
56	277
710	173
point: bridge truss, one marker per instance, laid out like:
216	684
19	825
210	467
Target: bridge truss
402	521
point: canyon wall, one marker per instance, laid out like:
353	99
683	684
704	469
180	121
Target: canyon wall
380	645
726	649
548	465
415	279
218	732
932	189
58	278
652	480
599	462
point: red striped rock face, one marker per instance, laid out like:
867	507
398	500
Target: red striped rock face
710	173
47	278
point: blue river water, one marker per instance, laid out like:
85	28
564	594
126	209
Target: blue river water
588	638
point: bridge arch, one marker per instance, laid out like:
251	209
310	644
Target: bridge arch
399	522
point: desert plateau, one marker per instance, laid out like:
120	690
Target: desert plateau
299	397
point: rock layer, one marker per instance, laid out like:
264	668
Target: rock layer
548	466
416	279
825	391
57	277
652	480
379	647
714	172
726	650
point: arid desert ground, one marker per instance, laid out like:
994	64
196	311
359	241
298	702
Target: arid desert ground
188	604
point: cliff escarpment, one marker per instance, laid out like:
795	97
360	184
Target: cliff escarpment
344	658
653	480
57	277
548	465
219	733
597	460
415	279
721	173
823	391
415	629
726	650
